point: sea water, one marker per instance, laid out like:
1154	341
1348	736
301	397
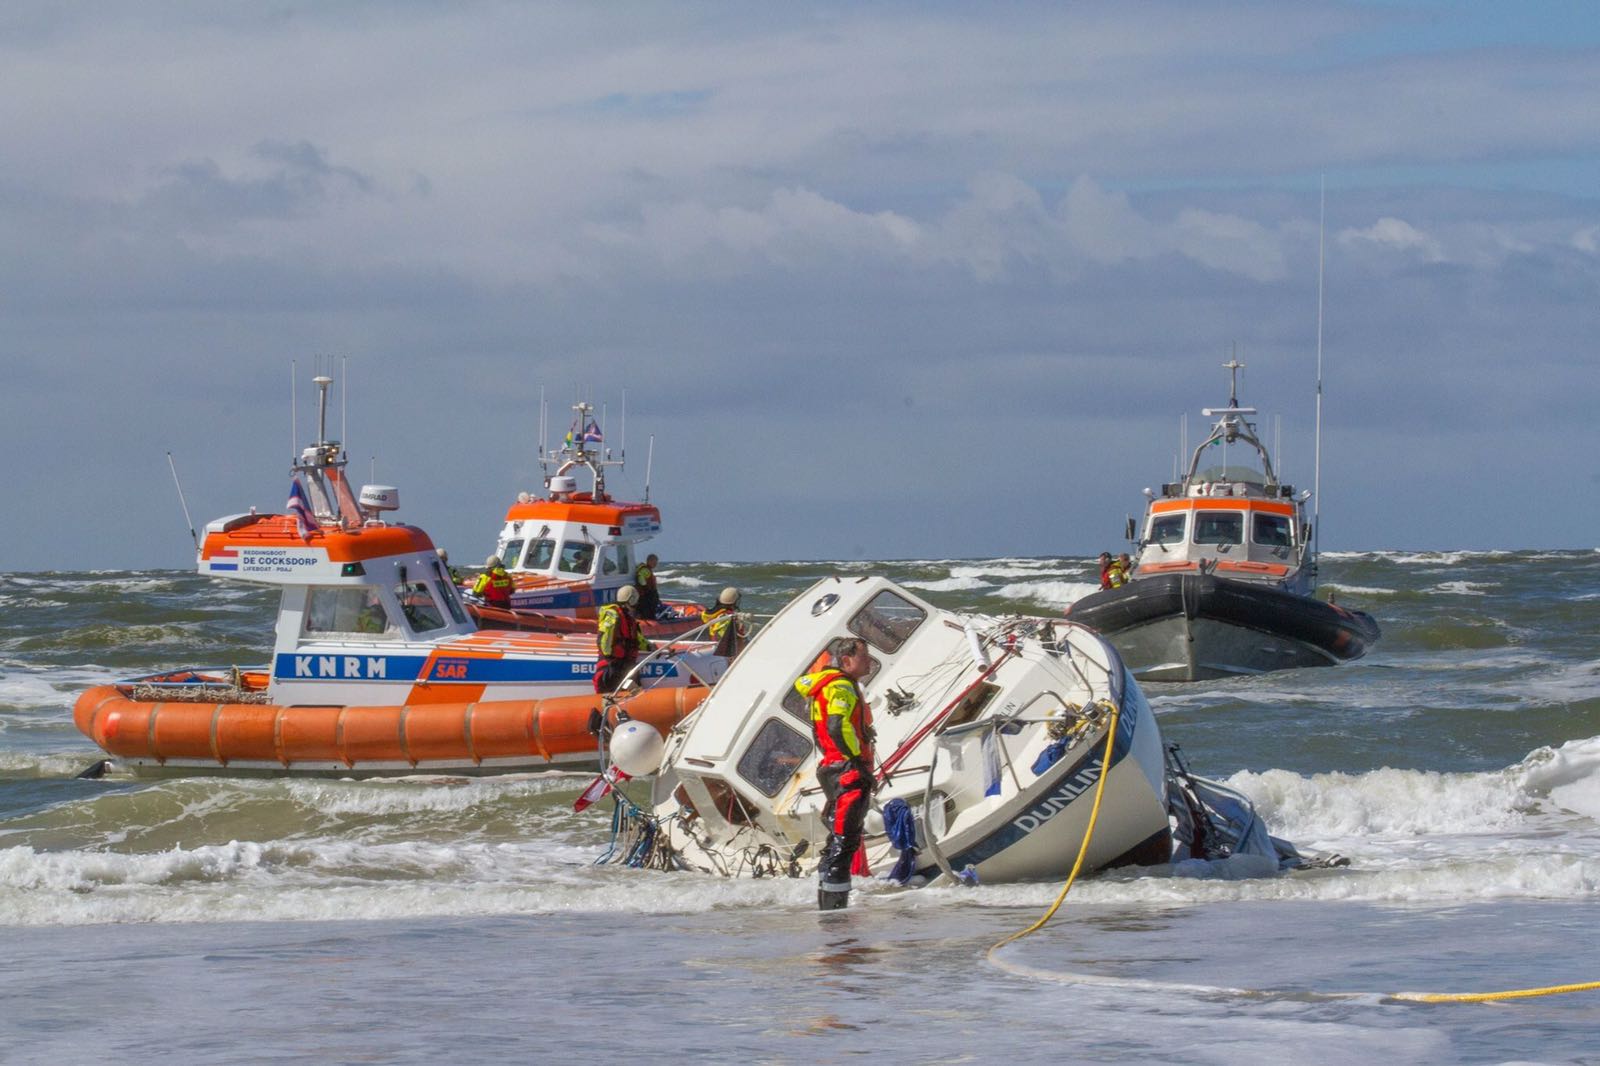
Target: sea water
1457	766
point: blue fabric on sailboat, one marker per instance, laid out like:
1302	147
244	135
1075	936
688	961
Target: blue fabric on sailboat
991	764
901	828
1049	756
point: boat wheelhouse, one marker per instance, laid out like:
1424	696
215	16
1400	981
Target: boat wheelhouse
377	667
569	551
1226	571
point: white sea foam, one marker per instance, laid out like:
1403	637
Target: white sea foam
1568	775
1055	593
1004	568
1463	588
51	688
948	584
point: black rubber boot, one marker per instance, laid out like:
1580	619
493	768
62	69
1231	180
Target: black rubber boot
832	901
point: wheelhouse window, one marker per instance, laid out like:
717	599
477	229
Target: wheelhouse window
540	552
416	603
509	552
447	597
350	611
576	557
1271	529
609	561
773	757
1168	529
1219	527
887	621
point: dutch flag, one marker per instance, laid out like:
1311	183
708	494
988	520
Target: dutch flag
300	507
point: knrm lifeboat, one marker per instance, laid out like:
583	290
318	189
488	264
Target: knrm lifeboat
377	667
569	551
1224	580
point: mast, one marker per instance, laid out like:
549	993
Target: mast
576	451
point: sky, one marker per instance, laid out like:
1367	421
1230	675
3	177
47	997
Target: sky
881	281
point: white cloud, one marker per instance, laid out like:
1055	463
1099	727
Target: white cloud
1398	235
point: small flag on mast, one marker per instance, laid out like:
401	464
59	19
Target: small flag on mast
304	520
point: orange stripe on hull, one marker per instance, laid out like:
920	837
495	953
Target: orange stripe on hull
456	733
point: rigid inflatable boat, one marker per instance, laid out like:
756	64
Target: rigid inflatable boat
377	667
1225	575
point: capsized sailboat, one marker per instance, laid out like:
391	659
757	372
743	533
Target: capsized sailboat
991	734
377	669
570	550
1225	576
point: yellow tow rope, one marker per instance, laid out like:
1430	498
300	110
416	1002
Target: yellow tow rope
1088	835
1404	997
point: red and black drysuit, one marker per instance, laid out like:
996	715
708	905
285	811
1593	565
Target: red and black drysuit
841	725
619	640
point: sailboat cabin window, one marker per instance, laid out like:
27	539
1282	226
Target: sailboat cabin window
1219	527
773	757
1167	529
797	704
1271	530
576	557
540	552
887	621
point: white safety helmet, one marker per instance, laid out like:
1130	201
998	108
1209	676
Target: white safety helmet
729	596
627	594
492	562
444	556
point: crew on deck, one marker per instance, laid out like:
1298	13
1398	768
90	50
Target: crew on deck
727	626
644	576
494	584
619	640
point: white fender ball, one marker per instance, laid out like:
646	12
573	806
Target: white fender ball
636	748
873	825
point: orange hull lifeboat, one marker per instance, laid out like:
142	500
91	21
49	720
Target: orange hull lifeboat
203	731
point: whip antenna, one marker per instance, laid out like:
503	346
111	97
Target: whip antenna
649	461
1316	477
185	503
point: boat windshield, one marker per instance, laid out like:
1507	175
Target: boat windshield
346	610
576	557
1271	530
508	553
1219	527
540	552
416	603
1167	529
